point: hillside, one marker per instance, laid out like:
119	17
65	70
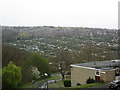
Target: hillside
81	43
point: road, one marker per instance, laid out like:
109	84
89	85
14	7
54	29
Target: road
44	85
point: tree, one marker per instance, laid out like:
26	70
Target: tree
11	75
19	57
21	35
8	35
62	62
35	73
42	64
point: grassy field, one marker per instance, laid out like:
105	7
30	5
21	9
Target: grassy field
35	85
88	85
59	84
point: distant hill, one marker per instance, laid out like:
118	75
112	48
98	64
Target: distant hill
51	31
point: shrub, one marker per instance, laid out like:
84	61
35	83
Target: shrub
101	81
90	80
67	83
78	84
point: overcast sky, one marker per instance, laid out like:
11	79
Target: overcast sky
74	13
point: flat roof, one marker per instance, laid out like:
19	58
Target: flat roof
108	64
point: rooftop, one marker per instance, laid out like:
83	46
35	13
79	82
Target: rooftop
108	64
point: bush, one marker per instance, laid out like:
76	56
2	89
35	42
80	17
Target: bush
11	75
90	80
67	83
78	84
101	81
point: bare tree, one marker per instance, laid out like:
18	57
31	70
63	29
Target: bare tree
63	62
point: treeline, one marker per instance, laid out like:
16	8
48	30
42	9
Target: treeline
48	31
9	35
32	66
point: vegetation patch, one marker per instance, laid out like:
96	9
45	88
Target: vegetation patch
67	83
89	85
58	84
90	80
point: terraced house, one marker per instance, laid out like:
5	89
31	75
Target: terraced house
99	70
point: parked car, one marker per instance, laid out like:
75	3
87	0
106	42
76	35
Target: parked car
115	84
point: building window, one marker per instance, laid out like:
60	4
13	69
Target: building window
117	70
97	73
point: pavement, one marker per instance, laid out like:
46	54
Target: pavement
44	84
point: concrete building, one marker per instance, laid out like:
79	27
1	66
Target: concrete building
99	70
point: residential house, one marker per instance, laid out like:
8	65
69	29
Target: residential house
99	70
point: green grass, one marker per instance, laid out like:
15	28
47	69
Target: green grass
35	85
54	77
88	85
29	85
58	84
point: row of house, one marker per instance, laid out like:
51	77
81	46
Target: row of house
99	70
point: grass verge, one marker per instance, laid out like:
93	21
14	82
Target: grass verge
36	84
